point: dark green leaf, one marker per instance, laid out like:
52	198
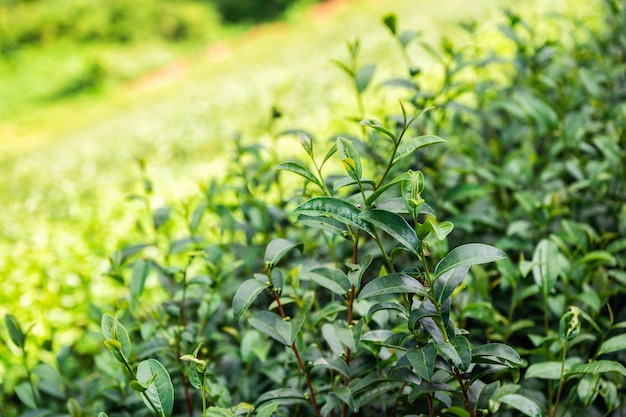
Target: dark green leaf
160	389
392	284
391	21
470	254
386	306
447	282
15	331
345	394
422	360
496	353
336	209
418	314
486	393
245	296
463	348
394	225
407	147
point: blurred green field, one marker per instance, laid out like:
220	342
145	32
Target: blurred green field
67	167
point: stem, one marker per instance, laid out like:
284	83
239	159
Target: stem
431	408
561	380
294	348
468	405
182	323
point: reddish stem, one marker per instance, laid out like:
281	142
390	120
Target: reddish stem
468	405
309	384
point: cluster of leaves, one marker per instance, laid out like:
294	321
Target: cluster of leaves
326	285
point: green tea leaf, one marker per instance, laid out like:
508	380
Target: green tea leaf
245	296
497	353
597	367
463	348
469	254
447	282
374	124
267	409
422	360
522	404
350	158
614	344
152	374
545	370
391	21
364	76
298	169
277	249
15	331
407	147
349	336
272	325
336	364
546	267
337	209
112	329
141	269
332	279
392	284
394	225
26	395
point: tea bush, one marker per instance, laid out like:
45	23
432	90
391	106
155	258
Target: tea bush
460	254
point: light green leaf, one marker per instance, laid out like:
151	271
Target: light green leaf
545	370
614	344
392	284
409	146
298	169
160	389
278	248
336	209
336	364
522	404
274	326
597	367
141	269
470	254
374	124
546	267
422	360
364	76
394	225
267	409
25	393
350	158
377	193
245	296
349	336
332	279
112	329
